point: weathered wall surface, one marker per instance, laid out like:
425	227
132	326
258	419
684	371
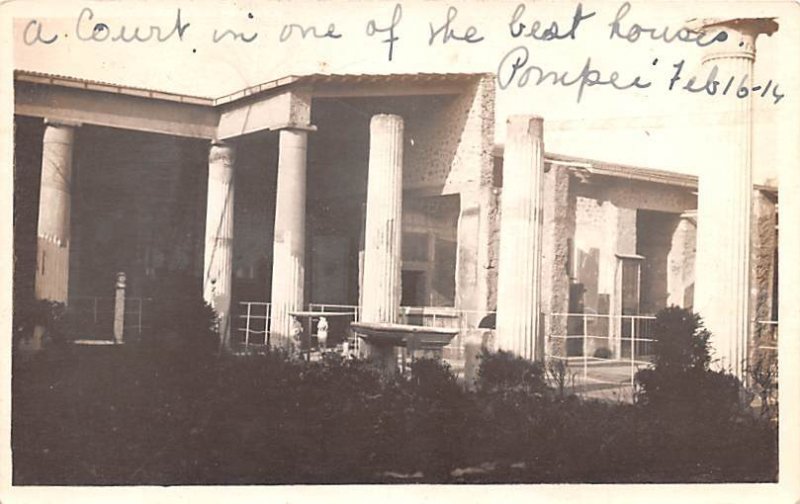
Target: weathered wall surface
606	225
478	227
624	193
764	238
557	237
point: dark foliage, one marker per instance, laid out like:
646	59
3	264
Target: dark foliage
58	323
503	371
183	323
681	341
603	353
681	383
764	375
126	415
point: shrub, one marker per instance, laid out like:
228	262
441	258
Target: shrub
183	323
681	340
422	422
505	371
560	376
603	353
680	383
53	316
764	374
269	418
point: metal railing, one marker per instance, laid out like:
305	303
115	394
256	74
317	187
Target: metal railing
610	348
93	316
322	308
254	322
445	317
768	335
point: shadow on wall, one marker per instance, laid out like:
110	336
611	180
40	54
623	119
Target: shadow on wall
654	238
588	273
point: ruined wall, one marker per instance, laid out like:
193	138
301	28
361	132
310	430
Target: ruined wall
764	239
606	225
557	238
479	220
637	194
429	247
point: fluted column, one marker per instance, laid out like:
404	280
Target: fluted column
383	231
520	263
288	260
218	264
52	257
722	290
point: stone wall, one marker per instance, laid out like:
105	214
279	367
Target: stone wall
557	239
764	238
606	224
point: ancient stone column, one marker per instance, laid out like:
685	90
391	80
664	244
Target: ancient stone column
218	264
520	263
288	260
52	258
722	293
383	230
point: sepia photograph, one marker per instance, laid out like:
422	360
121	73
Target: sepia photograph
401	245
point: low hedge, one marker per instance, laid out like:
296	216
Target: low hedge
136	416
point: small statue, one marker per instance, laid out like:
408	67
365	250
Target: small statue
322	332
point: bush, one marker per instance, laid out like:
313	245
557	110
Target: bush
53	316
680	383
266	419
436	414
764	374
504	371
183	323
603	353
681	340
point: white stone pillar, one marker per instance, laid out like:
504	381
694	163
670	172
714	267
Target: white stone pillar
218	263
289	250
724	207
520	263
383	230
52	257
680	260
119	309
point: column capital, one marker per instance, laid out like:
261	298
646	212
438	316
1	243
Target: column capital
58	123
526	124
295	127
740	35
221	150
